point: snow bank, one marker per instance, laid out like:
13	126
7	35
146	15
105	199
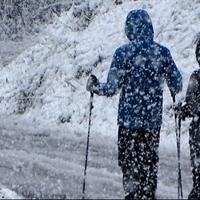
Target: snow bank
45	85
8	194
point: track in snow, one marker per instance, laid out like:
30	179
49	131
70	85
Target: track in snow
44	165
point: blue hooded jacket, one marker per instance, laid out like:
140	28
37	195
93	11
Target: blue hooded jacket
139	69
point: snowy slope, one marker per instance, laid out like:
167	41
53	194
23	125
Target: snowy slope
47	82
52	74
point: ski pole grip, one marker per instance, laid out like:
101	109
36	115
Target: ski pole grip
173	97
91	100
92	94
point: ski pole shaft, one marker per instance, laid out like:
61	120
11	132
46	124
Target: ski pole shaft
87	147
178	132
179	163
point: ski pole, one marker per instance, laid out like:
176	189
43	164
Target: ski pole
180	177
87	147
178	136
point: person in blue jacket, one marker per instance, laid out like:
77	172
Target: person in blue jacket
138	70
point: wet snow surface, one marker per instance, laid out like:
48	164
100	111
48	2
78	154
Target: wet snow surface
44	105
41	164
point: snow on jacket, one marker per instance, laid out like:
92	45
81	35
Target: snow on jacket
192	106
139	69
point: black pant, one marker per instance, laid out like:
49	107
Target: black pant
194	141
138	159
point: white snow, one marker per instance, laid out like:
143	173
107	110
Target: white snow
8	194
53	74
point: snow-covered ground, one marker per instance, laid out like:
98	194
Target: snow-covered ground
10	49
49	163
44	105
8	194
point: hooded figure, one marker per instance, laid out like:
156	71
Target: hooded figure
191	109
138	70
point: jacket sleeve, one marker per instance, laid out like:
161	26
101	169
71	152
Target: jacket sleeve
172	75
115	76
193	96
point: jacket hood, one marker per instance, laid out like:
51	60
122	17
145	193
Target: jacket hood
139	26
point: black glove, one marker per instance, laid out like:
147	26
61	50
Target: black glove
182	110
92	83
177	108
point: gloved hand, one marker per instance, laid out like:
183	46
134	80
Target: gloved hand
92	83
182	110
186	111
177	108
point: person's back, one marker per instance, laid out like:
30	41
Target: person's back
193	94
138	70
192	99
191	108
142	90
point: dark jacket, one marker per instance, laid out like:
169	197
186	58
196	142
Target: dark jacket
139	69
192	106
